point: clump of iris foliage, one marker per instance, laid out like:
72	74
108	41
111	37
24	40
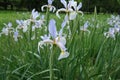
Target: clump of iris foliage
57	46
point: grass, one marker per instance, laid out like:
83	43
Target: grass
92	56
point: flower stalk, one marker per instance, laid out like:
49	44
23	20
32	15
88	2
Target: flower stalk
51	64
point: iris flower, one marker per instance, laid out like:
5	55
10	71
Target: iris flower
110	33
70	12
54	38
84	28
7	29
49	6
67	9
76	9
35	14
22	24
16	35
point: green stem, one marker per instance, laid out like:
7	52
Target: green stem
51	64
47	18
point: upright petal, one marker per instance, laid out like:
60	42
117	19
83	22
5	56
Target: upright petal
86	25
79	6
64	3
52	28
15	36
9	24
73	4
50	2
64	21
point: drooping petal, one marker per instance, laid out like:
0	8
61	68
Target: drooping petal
63	54
62	40
61	45
60	10
64	3
80	12
72	15
54	9
41	43
5	31
52	28
42	8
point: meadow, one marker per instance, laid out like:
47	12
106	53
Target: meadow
94	51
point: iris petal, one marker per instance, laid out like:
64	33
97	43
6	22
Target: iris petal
52	29
63	55
79	6
64	3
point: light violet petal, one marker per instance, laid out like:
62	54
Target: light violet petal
60	32
61	45
63	55
64	21
79	6
72	15
73	4
52	28
33	11
63	24
63	40
86	25
9	24
64	3
18	22
50	1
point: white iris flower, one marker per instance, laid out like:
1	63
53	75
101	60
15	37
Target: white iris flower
71	13
85	27
67	8
23	24
16	35
7	29
57	39
110	33
49	6
76	9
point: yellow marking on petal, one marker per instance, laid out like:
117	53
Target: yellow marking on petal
62	52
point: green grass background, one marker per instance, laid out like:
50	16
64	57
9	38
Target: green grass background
92	56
